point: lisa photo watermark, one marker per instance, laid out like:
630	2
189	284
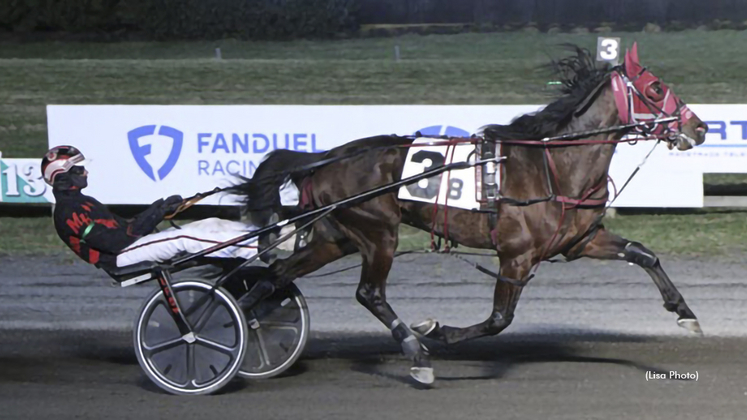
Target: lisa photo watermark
671	375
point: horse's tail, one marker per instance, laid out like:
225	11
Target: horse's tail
262	191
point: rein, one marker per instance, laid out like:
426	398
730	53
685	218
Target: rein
557	141
568	203
191	201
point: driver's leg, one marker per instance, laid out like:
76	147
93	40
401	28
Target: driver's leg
191	238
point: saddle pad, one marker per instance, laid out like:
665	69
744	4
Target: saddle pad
453	188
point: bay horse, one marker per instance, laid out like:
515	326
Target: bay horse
553	196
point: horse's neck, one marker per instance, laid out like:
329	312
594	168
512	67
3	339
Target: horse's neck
581	168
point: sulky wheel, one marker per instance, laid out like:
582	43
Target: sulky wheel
198	363
278	330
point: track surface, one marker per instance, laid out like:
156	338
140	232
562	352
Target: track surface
584	336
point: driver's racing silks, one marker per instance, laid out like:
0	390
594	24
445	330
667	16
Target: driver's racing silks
96	234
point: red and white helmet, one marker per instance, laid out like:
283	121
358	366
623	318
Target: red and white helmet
60	160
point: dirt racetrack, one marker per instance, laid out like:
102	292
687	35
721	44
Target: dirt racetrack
584	336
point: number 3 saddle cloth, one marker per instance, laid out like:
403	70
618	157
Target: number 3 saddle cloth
470	189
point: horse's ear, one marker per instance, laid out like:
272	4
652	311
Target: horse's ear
632	65
634	53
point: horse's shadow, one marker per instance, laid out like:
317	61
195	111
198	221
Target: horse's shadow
374	354
483	359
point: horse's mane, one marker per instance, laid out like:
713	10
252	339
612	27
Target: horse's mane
579	76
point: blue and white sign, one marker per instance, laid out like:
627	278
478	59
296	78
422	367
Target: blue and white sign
725	148
140	153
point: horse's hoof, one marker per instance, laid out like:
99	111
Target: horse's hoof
423	375
424	328
691	325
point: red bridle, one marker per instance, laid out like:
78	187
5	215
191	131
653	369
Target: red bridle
641	97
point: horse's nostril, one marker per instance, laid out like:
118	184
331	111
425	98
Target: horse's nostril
702	128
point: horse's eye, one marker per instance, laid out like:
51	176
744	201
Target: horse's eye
655	91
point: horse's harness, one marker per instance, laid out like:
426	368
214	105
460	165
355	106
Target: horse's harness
658	126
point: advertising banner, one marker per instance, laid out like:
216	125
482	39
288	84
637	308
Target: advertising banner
141	153
21	182
725	148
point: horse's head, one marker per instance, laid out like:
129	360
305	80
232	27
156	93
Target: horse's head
641	97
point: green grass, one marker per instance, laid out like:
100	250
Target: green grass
701	234
724	178
497	68
30	236
36	236
709	233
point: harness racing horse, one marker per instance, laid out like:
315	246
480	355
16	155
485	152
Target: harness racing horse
552	197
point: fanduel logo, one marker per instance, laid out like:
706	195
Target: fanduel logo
140	151
443	130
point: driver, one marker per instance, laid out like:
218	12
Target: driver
107	240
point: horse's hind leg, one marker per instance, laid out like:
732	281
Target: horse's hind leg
505	299
374	230
605	245
310	258
371	293
322	250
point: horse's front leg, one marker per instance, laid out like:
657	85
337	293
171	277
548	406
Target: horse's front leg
608	246
505	299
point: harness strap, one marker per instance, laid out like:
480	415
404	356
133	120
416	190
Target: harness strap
554	185
563	143
582	202
307	195
550	163
446	200
434	216
567	203
490	187
524	203
491	273
585	199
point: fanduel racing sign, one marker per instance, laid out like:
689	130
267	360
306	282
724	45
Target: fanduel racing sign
141	153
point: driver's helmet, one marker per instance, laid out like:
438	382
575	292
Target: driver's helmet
59	160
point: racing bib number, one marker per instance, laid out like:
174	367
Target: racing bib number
454	188
429	160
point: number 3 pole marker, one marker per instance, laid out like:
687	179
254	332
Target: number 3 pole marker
608	49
